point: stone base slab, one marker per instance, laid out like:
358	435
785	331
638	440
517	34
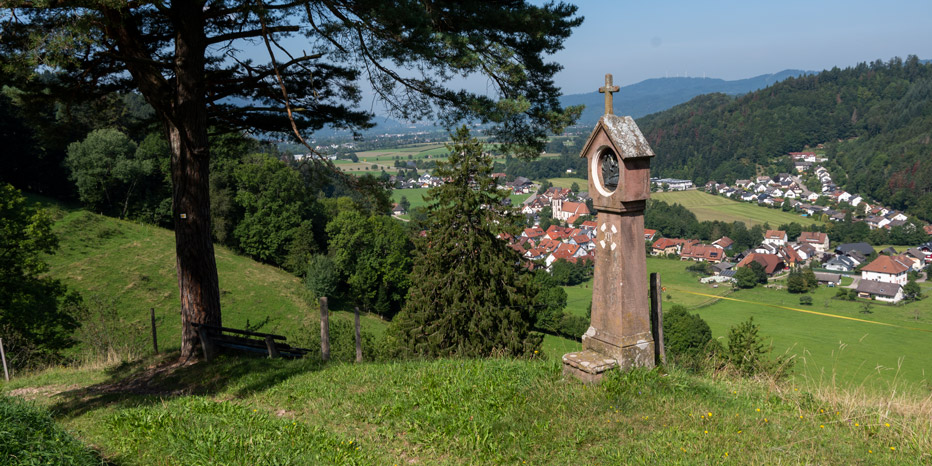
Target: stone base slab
639	354
587	365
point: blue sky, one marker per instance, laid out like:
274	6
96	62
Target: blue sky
637	40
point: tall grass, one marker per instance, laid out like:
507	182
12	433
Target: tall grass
29	436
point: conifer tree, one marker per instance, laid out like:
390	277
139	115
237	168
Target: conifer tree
470	295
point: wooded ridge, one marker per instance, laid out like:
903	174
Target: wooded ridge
874	119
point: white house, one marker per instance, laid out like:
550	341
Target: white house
775	237
886	269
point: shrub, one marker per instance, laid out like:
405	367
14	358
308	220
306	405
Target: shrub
685	335
747	354
806	300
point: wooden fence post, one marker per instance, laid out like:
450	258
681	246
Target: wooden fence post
6	373
324	330
271	347
656	318
358	338
155	341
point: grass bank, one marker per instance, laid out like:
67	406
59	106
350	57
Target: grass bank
496	411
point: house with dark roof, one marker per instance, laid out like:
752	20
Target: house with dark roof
841	263
863	248
830	279
881	291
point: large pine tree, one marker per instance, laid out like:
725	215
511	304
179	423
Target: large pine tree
470	295
189	61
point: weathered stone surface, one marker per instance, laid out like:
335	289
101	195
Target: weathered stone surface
620	325
587	365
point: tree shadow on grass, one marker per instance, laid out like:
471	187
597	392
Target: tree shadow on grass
146	382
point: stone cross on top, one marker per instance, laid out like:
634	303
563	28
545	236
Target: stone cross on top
607	90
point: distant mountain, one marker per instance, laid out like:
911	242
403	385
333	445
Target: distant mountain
658	94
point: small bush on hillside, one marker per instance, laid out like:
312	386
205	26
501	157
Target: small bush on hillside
685	335
747	353
805	300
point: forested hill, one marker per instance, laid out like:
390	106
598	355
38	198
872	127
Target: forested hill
875	119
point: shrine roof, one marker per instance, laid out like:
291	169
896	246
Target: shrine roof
623	132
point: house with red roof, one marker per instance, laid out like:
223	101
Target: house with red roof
670	245
549	245
702	253
790	257
770	262
888	269
723	243
563	210
558	233
566	251
583	241
649	234
535	233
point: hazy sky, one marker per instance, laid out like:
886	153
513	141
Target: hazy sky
637	40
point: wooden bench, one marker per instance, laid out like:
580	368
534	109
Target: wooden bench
214	338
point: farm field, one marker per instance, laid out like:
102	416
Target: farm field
416	197
710	207
673	274
856	353
848	352
566	182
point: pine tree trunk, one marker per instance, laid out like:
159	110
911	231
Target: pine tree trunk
190	169
179	99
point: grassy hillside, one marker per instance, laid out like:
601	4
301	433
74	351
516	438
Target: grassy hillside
123	269
495	411
710	207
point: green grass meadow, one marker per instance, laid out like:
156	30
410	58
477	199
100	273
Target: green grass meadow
710	207
846	352
416	197
250	411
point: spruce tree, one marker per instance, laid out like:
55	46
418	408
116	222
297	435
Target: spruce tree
470	294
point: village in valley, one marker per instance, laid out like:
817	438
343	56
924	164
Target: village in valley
561	226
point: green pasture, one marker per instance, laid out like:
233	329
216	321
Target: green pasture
673	274
848	352
416	197
566	182
853	352
710	207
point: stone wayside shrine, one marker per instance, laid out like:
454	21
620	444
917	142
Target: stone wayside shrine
619	334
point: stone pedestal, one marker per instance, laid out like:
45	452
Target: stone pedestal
619	334
620	325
